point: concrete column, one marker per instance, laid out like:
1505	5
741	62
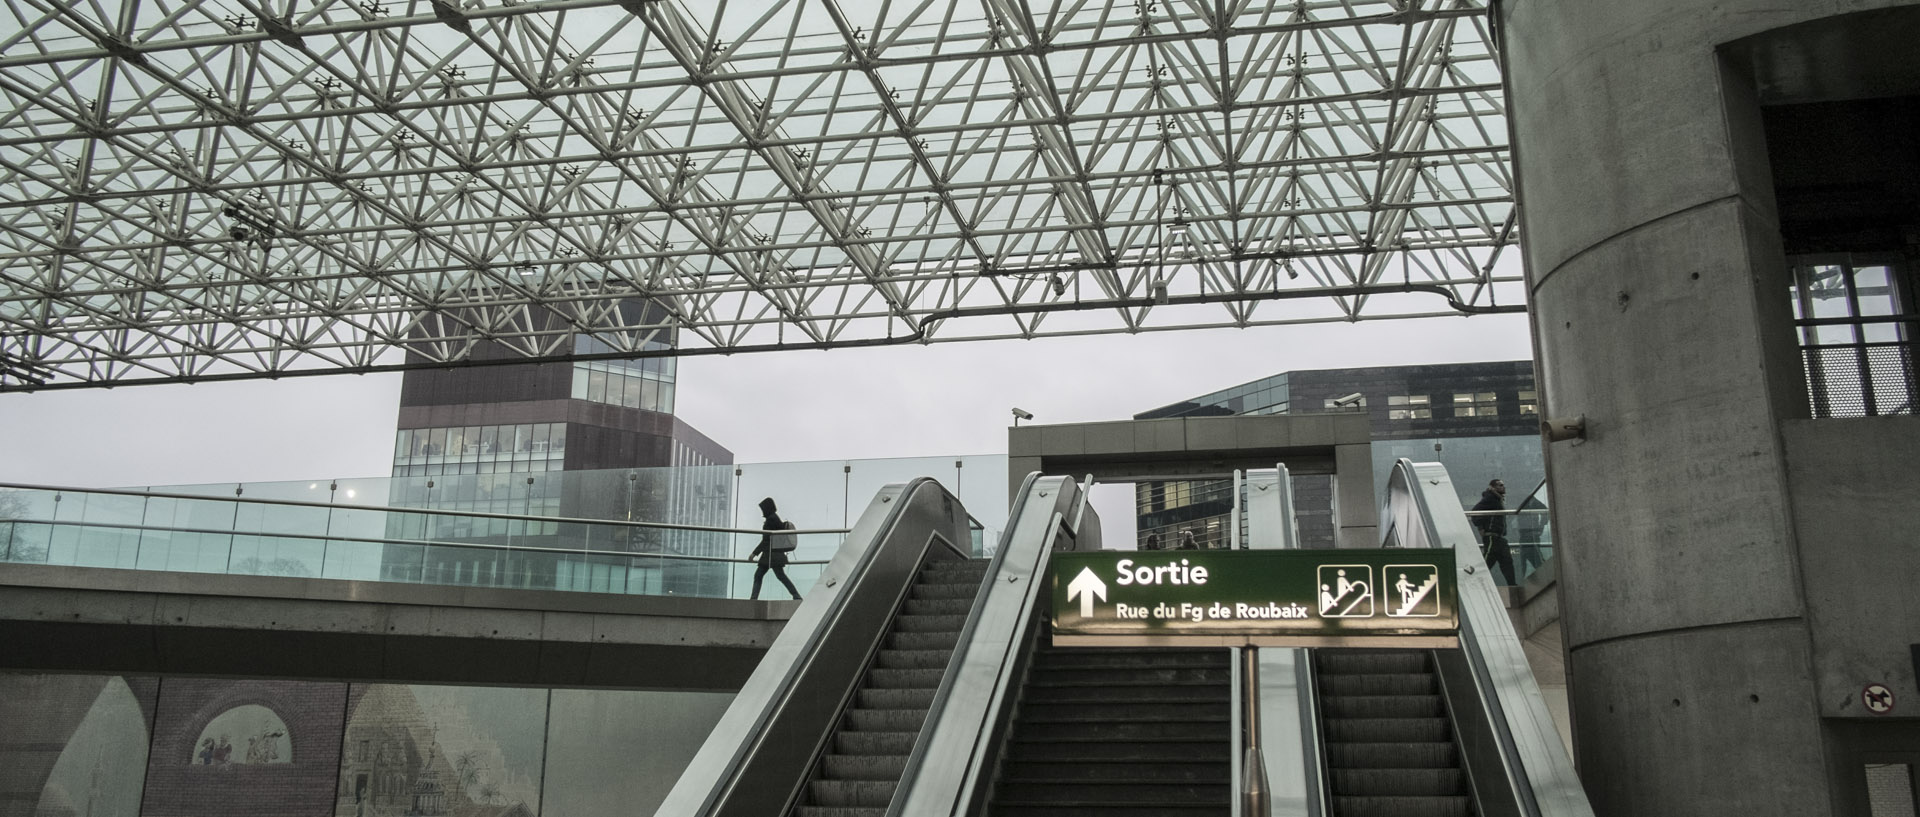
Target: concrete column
1660	312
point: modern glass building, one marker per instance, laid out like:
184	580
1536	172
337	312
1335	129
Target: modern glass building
1479	419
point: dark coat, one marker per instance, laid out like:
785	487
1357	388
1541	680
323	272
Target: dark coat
1491	501
769	521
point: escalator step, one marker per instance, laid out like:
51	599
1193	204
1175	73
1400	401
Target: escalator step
868	793
1455	806
913	659
837	811
938	607
1421	683
885	720
1388	730
1371	662
943	641
1004	808
1140	711
934	592
1072	792
879	698
863	767
1399	782
1159	769
1153	676
1100	750
874	743
909	623
1124	730
1392	755
1091	692
1382	706
1102	658
906	678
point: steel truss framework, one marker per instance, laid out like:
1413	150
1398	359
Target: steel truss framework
209	189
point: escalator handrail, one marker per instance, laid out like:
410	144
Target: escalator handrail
968	739
1537	766
900	497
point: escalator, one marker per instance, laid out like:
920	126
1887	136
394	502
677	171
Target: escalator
916	681
857	775
1120	732
1388	736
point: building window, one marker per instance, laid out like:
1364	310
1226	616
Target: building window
1854	316
1529	403
1475	404
1409	407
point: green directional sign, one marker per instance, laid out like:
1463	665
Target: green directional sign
1286	598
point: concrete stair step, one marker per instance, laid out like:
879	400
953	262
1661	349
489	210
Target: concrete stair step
1109	657
1108	809
1146	676
838	811
1125	730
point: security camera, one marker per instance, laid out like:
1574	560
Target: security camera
1558	429
1024	415
1349	400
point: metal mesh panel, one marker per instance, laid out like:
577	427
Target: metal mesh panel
1859	380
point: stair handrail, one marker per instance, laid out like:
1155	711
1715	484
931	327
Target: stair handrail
1422	511
717	769
956	754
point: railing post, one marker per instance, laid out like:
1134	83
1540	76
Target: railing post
1253	769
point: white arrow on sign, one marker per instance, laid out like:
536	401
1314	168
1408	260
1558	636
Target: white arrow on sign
1086	586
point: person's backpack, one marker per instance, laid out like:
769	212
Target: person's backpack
786	541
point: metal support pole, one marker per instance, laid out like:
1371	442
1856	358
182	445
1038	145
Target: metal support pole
1254	769
1233	525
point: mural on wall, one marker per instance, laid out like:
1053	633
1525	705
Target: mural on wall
73	745
225	748
426	751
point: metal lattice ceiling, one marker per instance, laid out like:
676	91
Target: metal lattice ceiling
207	189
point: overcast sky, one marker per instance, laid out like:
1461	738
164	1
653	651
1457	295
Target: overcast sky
934	400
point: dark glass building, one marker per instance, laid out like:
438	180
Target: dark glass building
1479	419
587	440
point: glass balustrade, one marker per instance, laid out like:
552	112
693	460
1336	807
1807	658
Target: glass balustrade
685	531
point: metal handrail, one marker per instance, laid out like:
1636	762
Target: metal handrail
378	541
624	523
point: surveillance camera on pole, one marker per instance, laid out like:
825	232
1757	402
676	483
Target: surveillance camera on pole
1021	414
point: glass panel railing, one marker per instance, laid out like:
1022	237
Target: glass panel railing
243	535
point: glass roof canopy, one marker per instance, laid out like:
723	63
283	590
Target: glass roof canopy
216	189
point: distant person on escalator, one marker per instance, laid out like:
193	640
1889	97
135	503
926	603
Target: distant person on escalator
770	554
1493	530
1187	541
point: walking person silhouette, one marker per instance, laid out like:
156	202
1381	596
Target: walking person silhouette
770	554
